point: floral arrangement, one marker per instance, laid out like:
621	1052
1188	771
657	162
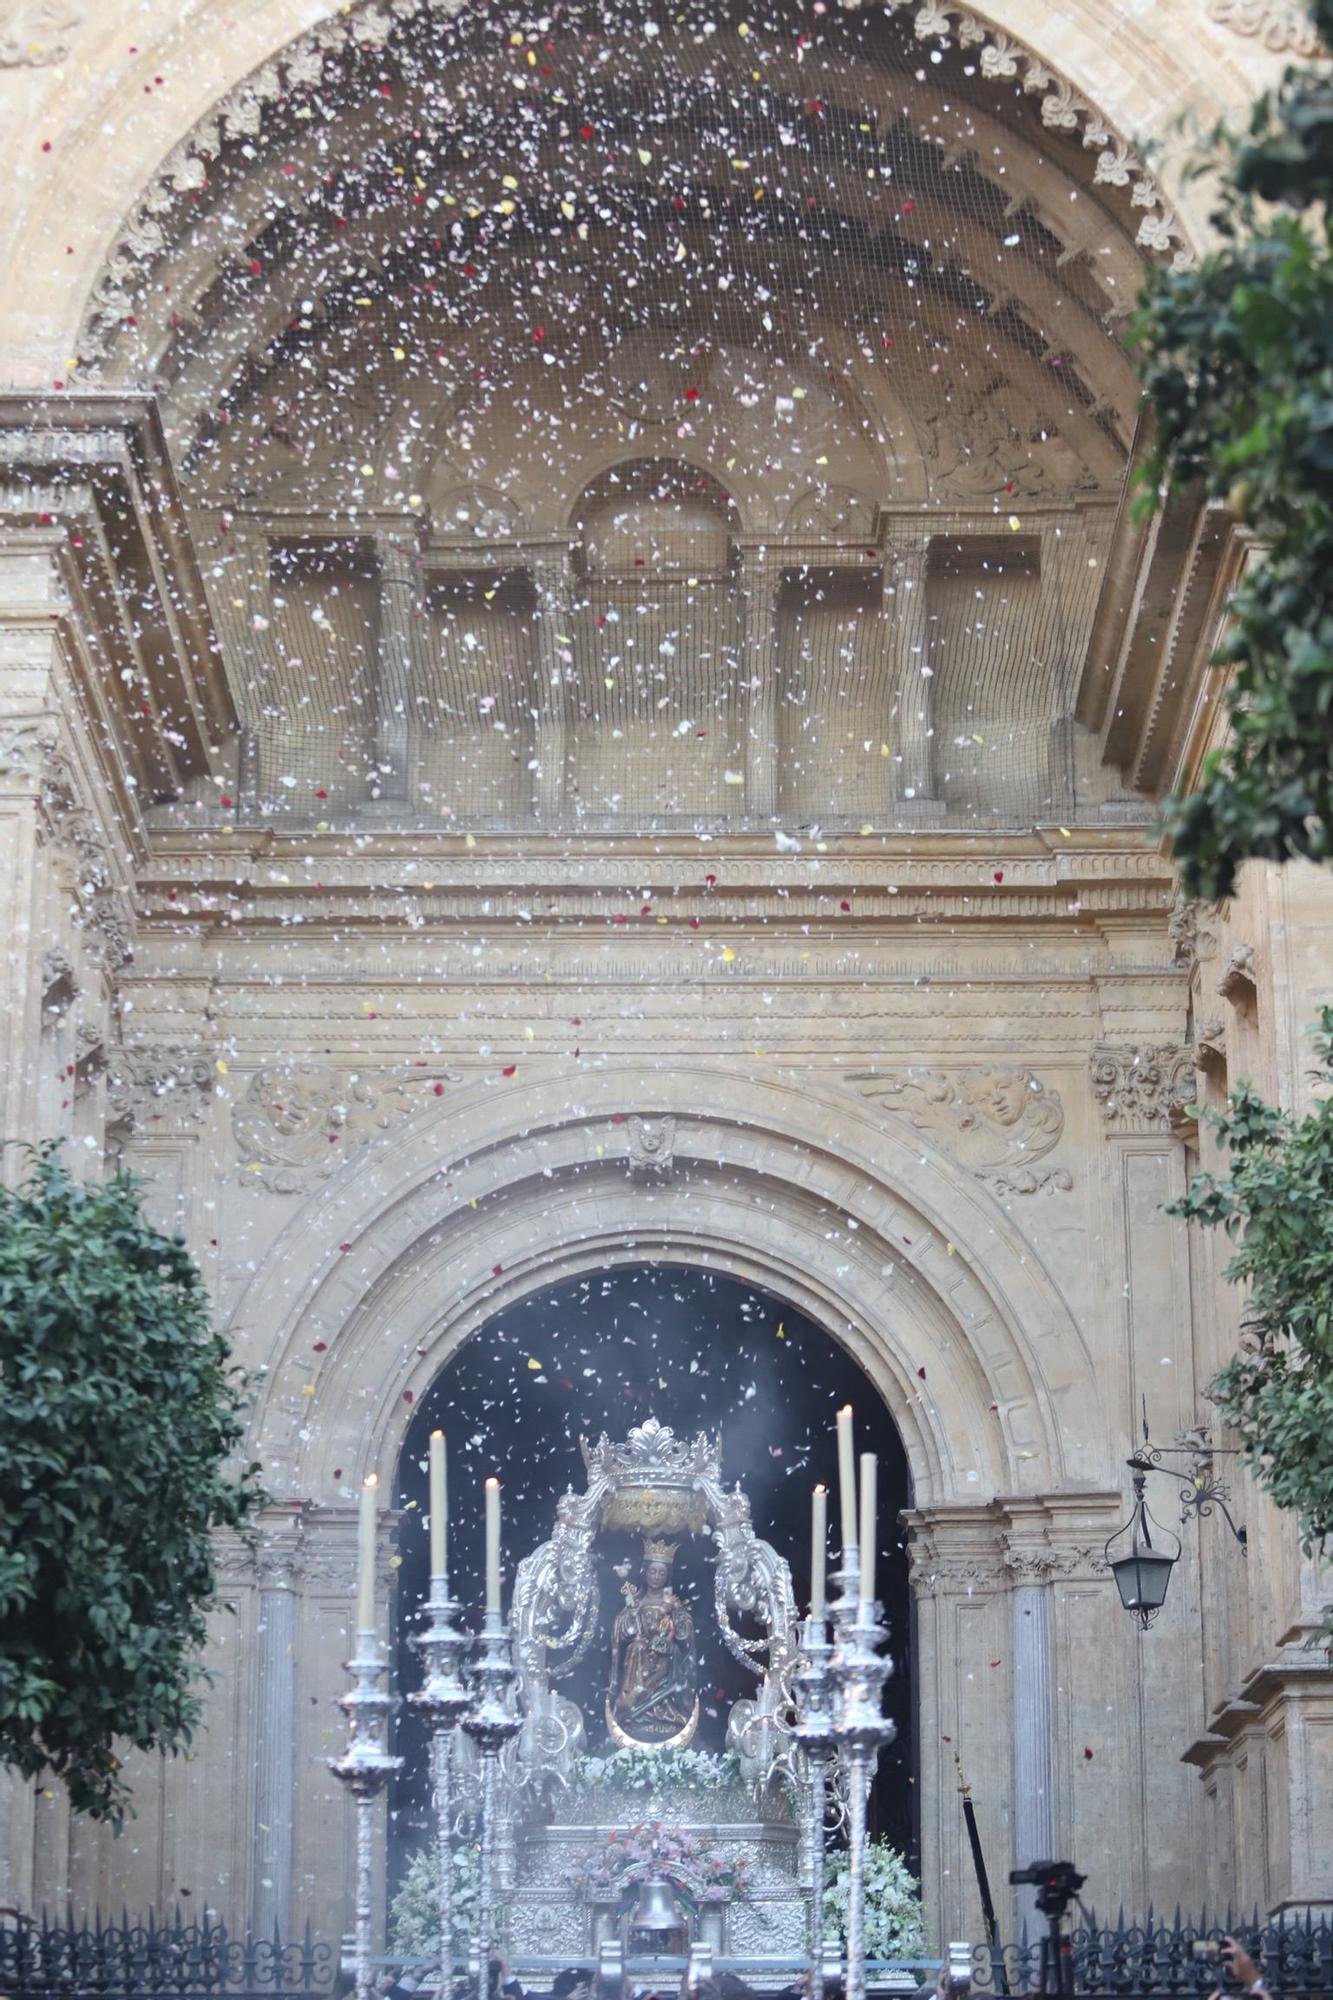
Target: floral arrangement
654	1848
656	1770
895	1922
414	1913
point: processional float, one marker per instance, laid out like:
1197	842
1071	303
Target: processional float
509	1747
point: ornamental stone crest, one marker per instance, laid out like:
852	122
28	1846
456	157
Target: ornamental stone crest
1141	1089
1000	1121
652	1160
297	1122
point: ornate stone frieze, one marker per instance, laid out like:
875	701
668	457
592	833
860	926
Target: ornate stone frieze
1044	1562
69	825
26	747
651	1150
1000	1121
298	1121
160	1089
37	33
1139	1089
1284	30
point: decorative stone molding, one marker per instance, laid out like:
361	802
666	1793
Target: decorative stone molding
298	1121
1042	1564
1140	1088
69	825
38	33
160	1088
26	746
241	115
1237	983
60	986
1192	929
999	1121
1210	1047
1284	30
652	1150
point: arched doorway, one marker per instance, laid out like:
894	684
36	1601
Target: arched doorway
700	1350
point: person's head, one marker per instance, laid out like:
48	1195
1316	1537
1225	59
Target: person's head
656	1575
574	1983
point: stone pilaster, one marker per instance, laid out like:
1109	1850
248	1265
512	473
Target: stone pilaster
401	653
553	587
275	1766
761	580
907	676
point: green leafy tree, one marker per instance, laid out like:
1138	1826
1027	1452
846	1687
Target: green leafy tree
119	1410
1277	1205
1238	366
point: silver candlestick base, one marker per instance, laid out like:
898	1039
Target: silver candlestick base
365	1767
491	1723
861	1730
812	1685
442	1701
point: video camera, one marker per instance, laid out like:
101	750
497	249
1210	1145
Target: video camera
1057	1883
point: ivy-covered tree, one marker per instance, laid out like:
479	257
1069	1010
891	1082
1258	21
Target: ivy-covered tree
1277	1204
119	1413
1238	366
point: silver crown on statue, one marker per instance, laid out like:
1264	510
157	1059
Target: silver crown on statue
652	1455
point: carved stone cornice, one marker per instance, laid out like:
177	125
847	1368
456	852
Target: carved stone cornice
313	1550
1000	1121
1142	1089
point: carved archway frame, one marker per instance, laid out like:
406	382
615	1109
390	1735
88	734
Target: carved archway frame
911	1263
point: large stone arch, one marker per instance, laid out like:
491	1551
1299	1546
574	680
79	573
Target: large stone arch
895	1249
1136	70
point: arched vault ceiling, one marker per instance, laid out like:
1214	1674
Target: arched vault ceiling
865	199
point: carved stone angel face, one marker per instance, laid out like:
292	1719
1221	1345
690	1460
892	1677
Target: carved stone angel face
1002	1095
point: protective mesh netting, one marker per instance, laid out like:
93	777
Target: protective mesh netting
740	388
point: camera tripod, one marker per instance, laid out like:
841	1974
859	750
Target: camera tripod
1057	1883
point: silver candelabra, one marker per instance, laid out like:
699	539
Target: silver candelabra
813	1686
491	1723
365	1767
442	1701
861	1730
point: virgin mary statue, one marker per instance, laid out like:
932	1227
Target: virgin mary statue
652	1701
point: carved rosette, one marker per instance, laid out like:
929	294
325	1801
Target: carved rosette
1000	1122
1143	1089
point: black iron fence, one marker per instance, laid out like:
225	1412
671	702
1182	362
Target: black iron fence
1294	1954
40	1960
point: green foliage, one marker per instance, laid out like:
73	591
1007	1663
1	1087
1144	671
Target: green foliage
414	1913
895	1923
1277	1206
118	1408
1238	364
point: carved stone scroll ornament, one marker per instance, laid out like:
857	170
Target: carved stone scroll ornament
1141	1089
159	1089
37	33
1000	1122
1284	30
297	1122
1193	930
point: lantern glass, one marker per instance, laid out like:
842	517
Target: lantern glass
1141	1578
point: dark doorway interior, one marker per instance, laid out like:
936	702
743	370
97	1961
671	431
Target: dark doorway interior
700	1351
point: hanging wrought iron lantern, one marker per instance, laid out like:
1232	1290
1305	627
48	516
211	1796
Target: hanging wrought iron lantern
1142	1554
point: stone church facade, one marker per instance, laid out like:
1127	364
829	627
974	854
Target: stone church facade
496	787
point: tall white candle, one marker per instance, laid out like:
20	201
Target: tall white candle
365	1568
437	1504
492	1545
818	1544
868	1500
847	1477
